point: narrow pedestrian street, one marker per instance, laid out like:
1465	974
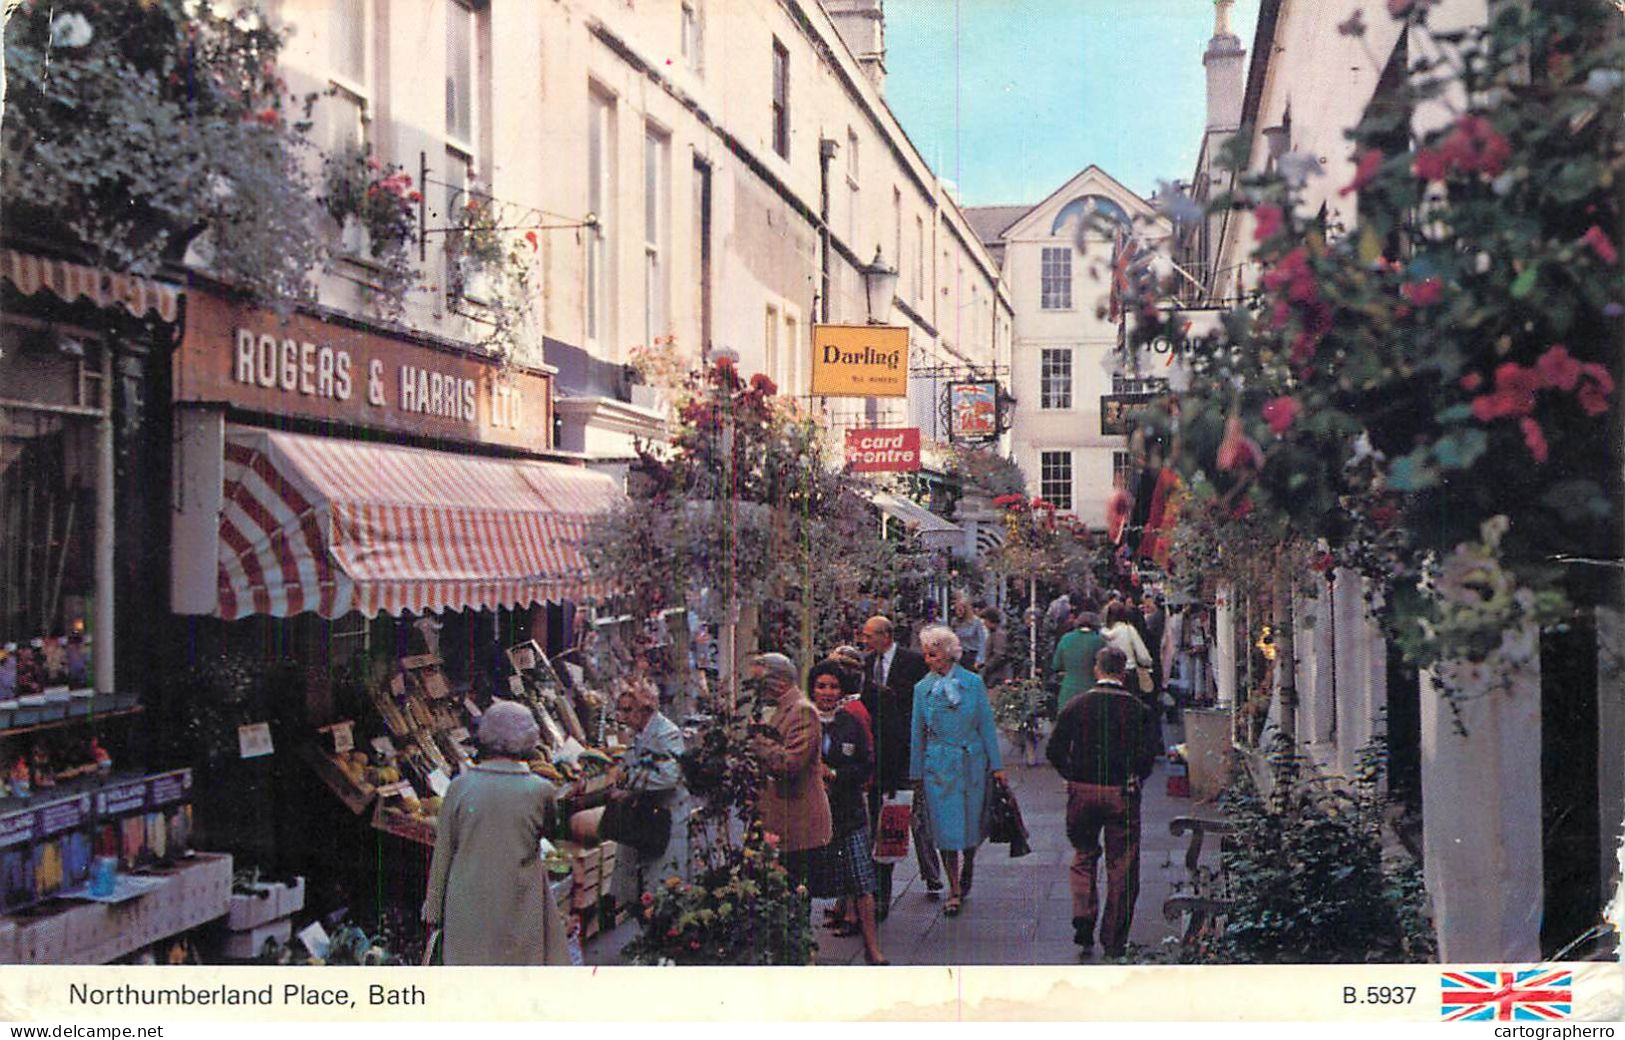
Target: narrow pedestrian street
1019	911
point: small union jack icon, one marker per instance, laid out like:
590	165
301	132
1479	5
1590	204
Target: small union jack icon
1536	995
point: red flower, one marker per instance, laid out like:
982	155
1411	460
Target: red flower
763	385
1365	172
1557	369
1280	314
1384	517
1471	382
1594	390
1268	219
1323	562
672	933
1012	501
1425	293
414	196
1430	165
1280	412
693	944
1534	439
530	236
1303	348
1475	146
1241	509
1598	241
1402	311
648	899
1515	386
268	116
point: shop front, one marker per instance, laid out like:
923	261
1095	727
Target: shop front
372	540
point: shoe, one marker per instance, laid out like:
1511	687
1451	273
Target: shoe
877	962
1115	952
933	887
845	929
1083	932
952	909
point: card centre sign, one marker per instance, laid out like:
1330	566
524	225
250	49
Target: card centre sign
883	451
860	361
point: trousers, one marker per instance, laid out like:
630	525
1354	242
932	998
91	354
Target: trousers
1093	810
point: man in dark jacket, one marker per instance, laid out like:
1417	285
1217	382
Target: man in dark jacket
890	672
1103	749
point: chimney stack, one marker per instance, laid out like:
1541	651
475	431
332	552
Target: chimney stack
862	25
1226	63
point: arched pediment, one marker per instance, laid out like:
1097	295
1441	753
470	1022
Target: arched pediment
1085	207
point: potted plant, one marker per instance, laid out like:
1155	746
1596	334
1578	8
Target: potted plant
375	206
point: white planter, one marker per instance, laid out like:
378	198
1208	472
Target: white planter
354	240
478	283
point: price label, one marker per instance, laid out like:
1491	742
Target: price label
385	747
343	734
439	782
254	740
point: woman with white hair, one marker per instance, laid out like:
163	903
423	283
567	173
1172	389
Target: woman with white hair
953	749
487	887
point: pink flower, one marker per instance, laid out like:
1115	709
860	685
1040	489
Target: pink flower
1400	8
372	164
1534	439
1488	407
1430	165
1268	219
648	899
1471	382
1323	562
1365	171
1242	509
1598	241
1595	388
1557	369
763	385
1303	348
1237	450
268	116
1280	412
1518	385
1425	293
530	236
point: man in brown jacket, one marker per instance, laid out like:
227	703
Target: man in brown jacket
792	803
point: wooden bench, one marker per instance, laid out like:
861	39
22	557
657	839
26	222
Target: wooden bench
1203	898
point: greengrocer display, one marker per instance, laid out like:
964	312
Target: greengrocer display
415	734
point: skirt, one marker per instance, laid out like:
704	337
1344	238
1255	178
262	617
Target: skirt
843	867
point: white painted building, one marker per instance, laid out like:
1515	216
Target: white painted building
711	143
1065	339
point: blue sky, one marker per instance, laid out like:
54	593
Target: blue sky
1047	87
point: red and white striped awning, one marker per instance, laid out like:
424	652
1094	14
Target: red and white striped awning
329	525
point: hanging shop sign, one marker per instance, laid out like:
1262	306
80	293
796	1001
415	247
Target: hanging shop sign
883	451
973	411
1121	413
860	361
306	367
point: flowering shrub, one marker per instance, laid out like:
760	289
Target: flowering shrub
130	129
1454	358
745	911
380	197
493	265
1020	707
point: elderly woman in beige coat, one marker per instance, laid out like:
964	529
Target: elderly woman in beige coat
792	803
487	886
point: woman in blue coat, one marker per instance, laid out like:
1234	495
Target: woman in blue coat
953	750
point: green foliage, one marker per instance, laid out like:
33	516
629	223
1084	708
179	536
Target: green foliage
1389	391
130	128
1020	706
1307	873
744	911
381	199
745	507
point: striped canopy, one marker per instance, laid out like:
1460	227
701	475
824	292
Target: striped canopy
333	526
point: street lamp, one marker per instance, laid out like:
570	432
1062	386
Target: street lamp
880	283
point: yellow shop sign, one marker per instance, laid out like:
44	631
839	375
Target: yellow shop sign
860	361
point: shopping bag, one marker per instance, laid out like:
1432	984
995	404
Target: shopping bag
891	834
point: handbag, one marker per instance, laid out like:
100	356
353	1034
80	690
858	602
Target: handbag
638	821
1002	816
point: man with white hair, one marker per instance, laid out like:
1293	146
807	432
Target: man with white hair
890	673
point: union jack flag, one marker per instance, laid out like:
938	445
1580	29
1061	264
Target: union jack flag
1536	995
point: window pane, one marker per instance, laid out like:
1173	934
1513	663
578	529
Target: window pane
1055	379
781	99
1055	478
1056	279
459	72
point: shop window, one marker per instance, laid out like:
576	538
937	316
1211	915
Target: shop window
48	483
